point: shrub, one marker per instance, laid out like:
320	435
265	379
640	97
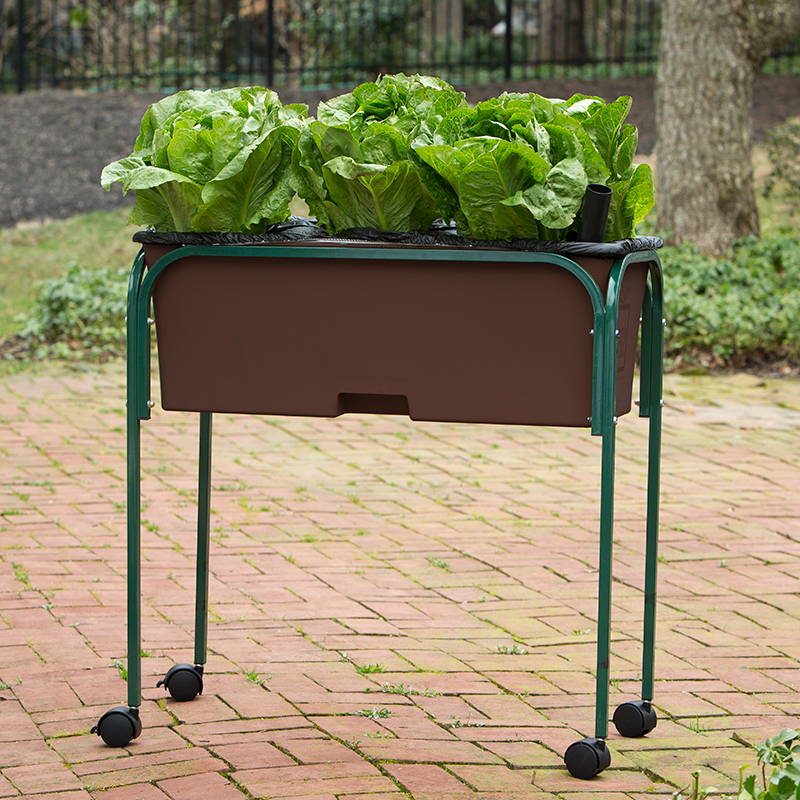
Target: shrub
736	311
79	315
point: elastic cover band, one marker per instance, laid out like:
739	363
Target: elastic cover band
300	229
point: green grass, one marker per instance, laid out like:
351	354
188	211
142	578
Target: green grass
406	691
21	574
372	713
511	650
120	666
367	669
257	679
32	253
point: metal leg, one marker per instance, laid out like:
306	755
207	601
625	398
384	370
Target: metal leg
137	408
119	725
638	717
590	756
604	581
185	681
203	522
653	494
606	519
134	560
651	554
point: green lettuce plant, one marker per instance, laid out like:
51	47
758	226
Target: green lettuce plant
394	154
519	164
212	161
355	166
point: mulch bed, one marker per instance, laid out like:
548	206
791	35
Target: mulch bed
16	348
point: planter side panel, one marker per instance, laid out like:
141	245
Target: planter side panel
466	342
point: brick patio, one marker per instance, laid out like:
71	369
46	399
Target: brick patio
398	610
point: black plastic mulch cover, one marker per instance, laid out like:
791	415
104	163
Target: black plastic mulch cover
293	230
300	229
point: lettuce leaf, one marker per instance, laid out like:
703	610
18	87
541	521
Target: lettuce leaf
375	196
555	202
631	201
372	181
254	188
507	190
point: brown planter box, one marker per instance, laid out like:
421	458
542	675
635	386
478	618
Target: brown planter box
491	341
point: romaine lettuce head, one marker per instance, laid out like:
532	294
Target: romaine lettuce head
212	161
355	167
519	164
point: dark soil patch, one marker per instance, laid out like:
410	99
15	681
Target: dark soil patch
55	143
16	348
766	366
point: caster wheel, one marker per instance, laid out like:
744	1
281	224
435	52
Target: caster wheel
635	718
587	758
183	681
118	726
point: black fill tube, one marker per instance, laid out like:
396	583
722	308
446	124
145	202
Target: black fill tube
594	213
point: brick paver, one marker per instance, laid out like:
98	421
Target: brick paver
397	609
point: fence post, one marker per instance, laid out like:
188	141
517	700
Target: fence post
21	77
270	43
508	40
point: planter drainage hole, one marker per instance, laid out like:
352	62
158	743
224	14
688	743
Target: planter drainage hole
361	403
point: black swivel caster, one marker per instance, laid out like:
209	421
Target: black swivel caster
587	758
635	718
118	726
183	681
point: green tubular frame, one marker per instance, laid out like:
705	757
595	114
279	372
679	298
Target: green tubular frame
603	423
203	525
134	417
650	405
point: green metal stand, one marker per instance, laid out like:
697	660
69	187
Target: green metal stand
603	423
650	406
203	522
604	581
653	329
134	417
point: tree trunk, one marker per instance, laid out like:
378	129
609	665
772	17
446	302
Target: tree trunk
710	53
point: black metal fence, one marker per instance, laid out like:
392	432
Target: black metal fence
167	44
